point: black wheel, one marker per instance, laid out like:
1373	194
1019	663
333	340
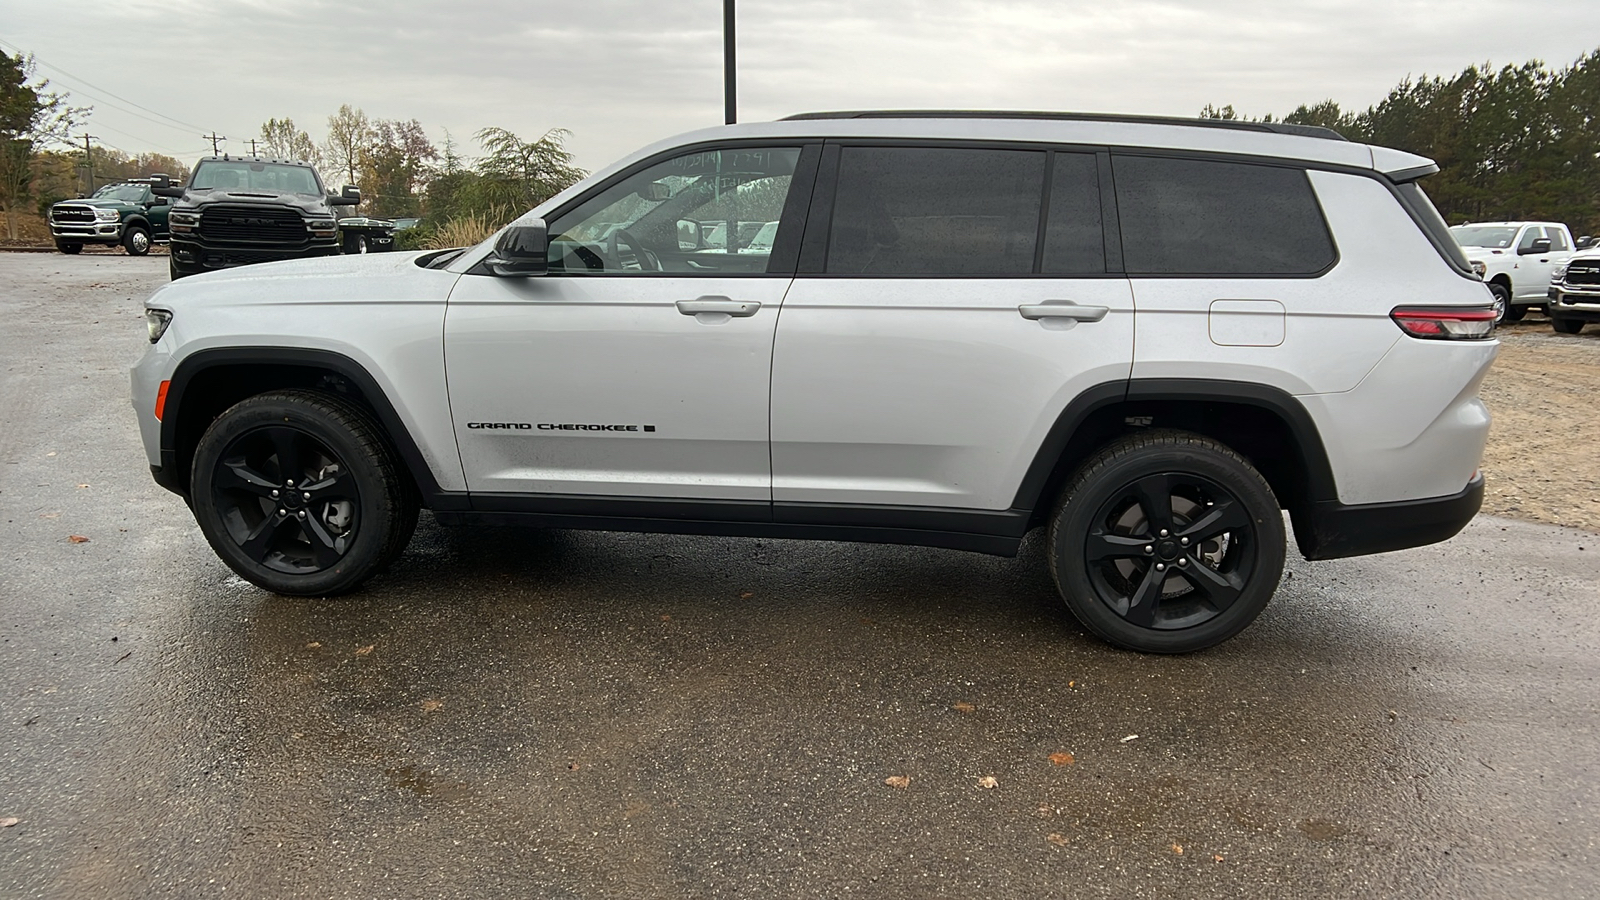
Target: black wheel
1566	326
173	270
136	240
1515	313
300	494
1502	302
1166	542
69	247
355	243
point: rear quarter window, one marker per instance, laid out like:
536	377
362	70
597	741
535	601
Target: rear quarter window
1210	217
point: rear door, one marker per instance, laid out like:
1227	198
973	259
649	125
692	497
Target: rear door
957	299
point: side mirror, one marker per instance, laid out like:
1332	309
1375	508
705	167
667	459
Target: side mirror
350	196
522	250
688	234
162	186
1540	245
655	192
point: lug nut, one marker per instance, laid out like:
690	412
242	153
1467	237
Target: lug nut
1160	567
1183	541
288	484
301	514
1183	561
274	493
1149	549
283	512
308	497
1163	532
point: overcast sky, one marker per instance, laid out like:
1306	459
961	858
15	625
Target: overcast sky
623	73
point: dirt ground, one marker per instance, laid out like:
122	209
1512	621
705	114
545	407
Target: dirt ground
1543	458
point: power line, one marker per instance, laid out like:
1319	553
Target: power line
91	84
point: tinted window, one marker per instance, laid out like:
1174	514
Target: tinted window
678	216
1074	243
1202	217
936	211
1529	235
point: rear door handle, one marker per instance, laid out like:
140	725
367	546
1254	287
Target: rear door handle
1063	309
736	308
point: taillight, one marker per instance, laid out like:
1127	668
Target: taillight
1445	323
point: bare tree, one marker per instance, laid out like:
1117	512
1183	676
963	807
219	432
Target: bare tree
349	139
280	139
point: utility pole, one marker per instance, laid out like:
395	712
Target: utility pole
88	160
213	137
252	146
730	107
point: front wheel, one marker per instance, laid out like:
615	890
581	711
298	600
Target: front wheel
69	247
1167	542
136	241
300	494
1567	326
1515	313
1502	303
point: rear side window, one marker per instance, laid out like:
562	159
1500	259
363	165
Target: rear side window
1206	217
929	211
1558	238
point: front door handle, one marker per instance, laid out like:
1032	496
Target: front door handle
1063	309
736	308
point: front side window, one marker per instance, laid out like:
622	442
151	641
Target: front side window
931	211
249	176
711	212
1207	217
1491	237
127	193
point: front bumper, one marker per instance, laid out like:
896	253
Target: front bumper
88	232
1569	302
1329	529
198	256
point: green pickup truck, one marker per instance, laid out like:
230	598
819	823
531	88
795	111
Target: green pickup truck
127	214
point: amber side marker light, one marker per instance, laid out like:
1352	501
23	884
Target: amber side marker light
1454	323
161	399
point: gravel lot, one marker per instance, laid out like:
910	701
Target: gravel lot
1543	458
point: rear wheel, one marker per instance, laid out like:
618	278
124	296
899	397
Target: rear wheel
300	494
1167	542
1567	326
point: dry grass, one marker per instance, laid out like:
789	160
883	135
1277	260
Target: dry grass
467	230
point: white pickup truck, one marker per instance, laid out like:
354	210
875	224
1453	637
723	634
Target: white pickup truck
1516	259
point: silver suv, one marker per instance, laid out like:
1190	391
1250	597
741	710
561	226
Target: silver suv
1146	336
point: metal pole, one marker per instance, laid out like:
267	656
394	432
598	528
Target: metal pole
730	106
88	160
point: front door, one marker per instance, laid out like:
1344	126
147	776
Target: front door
640	365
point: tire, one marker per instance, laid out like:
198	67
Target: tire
1502	303
69	248
136	240
1567	326
1103	524
362	508
355	243
173	270
1515	313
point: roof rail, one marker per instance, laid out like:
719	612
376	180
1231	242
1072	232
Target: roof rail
1315	131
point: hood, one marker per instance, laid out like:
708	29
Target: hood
203	197
1486	252
102	203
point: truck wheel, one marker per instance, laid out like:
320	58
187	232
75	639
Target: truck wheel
1515	313
1166	542
68	247
1567	326
355	243
136	240
1502	302
300	494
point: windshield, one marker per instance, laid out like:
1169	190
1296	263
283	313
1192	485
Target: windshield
255	176
1496	237
128	193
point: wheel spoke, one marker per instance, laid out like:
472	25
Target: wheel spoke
259	542
1226	515
324	546
1221	588
286	443
1142	604
237	475
1154	493
1114	546
336	485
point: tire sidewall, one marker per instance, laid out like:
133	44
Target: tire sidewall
375	518
1094	486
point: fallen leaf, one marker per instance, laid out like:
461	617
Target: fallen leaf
363	651
1216	857
572	766
1062	758
77	539
51	453
1046	811
1131	737
312	645
666	618
1072	684
83	485
431	705
964	707
746	595
1178	849
898	781
1057	839
988	782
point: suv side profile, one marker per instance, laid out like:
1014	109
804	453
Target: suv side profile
1146	337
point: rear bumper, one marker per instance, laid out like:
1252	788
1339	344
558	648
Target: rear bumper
1329	529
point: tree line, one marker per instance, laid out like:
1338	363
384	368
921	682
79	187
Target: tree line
1518	142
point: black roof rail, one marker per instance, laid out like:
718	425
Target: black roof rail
1315	131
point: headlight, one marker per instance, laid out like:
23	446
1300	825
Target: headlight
1560	273
320	224
184	218
106	215
157	321
1478	268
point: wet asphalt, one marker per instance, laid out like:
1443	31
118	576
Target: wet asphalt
591	715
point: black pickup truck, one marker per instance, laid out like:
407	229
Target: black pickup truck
240	210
